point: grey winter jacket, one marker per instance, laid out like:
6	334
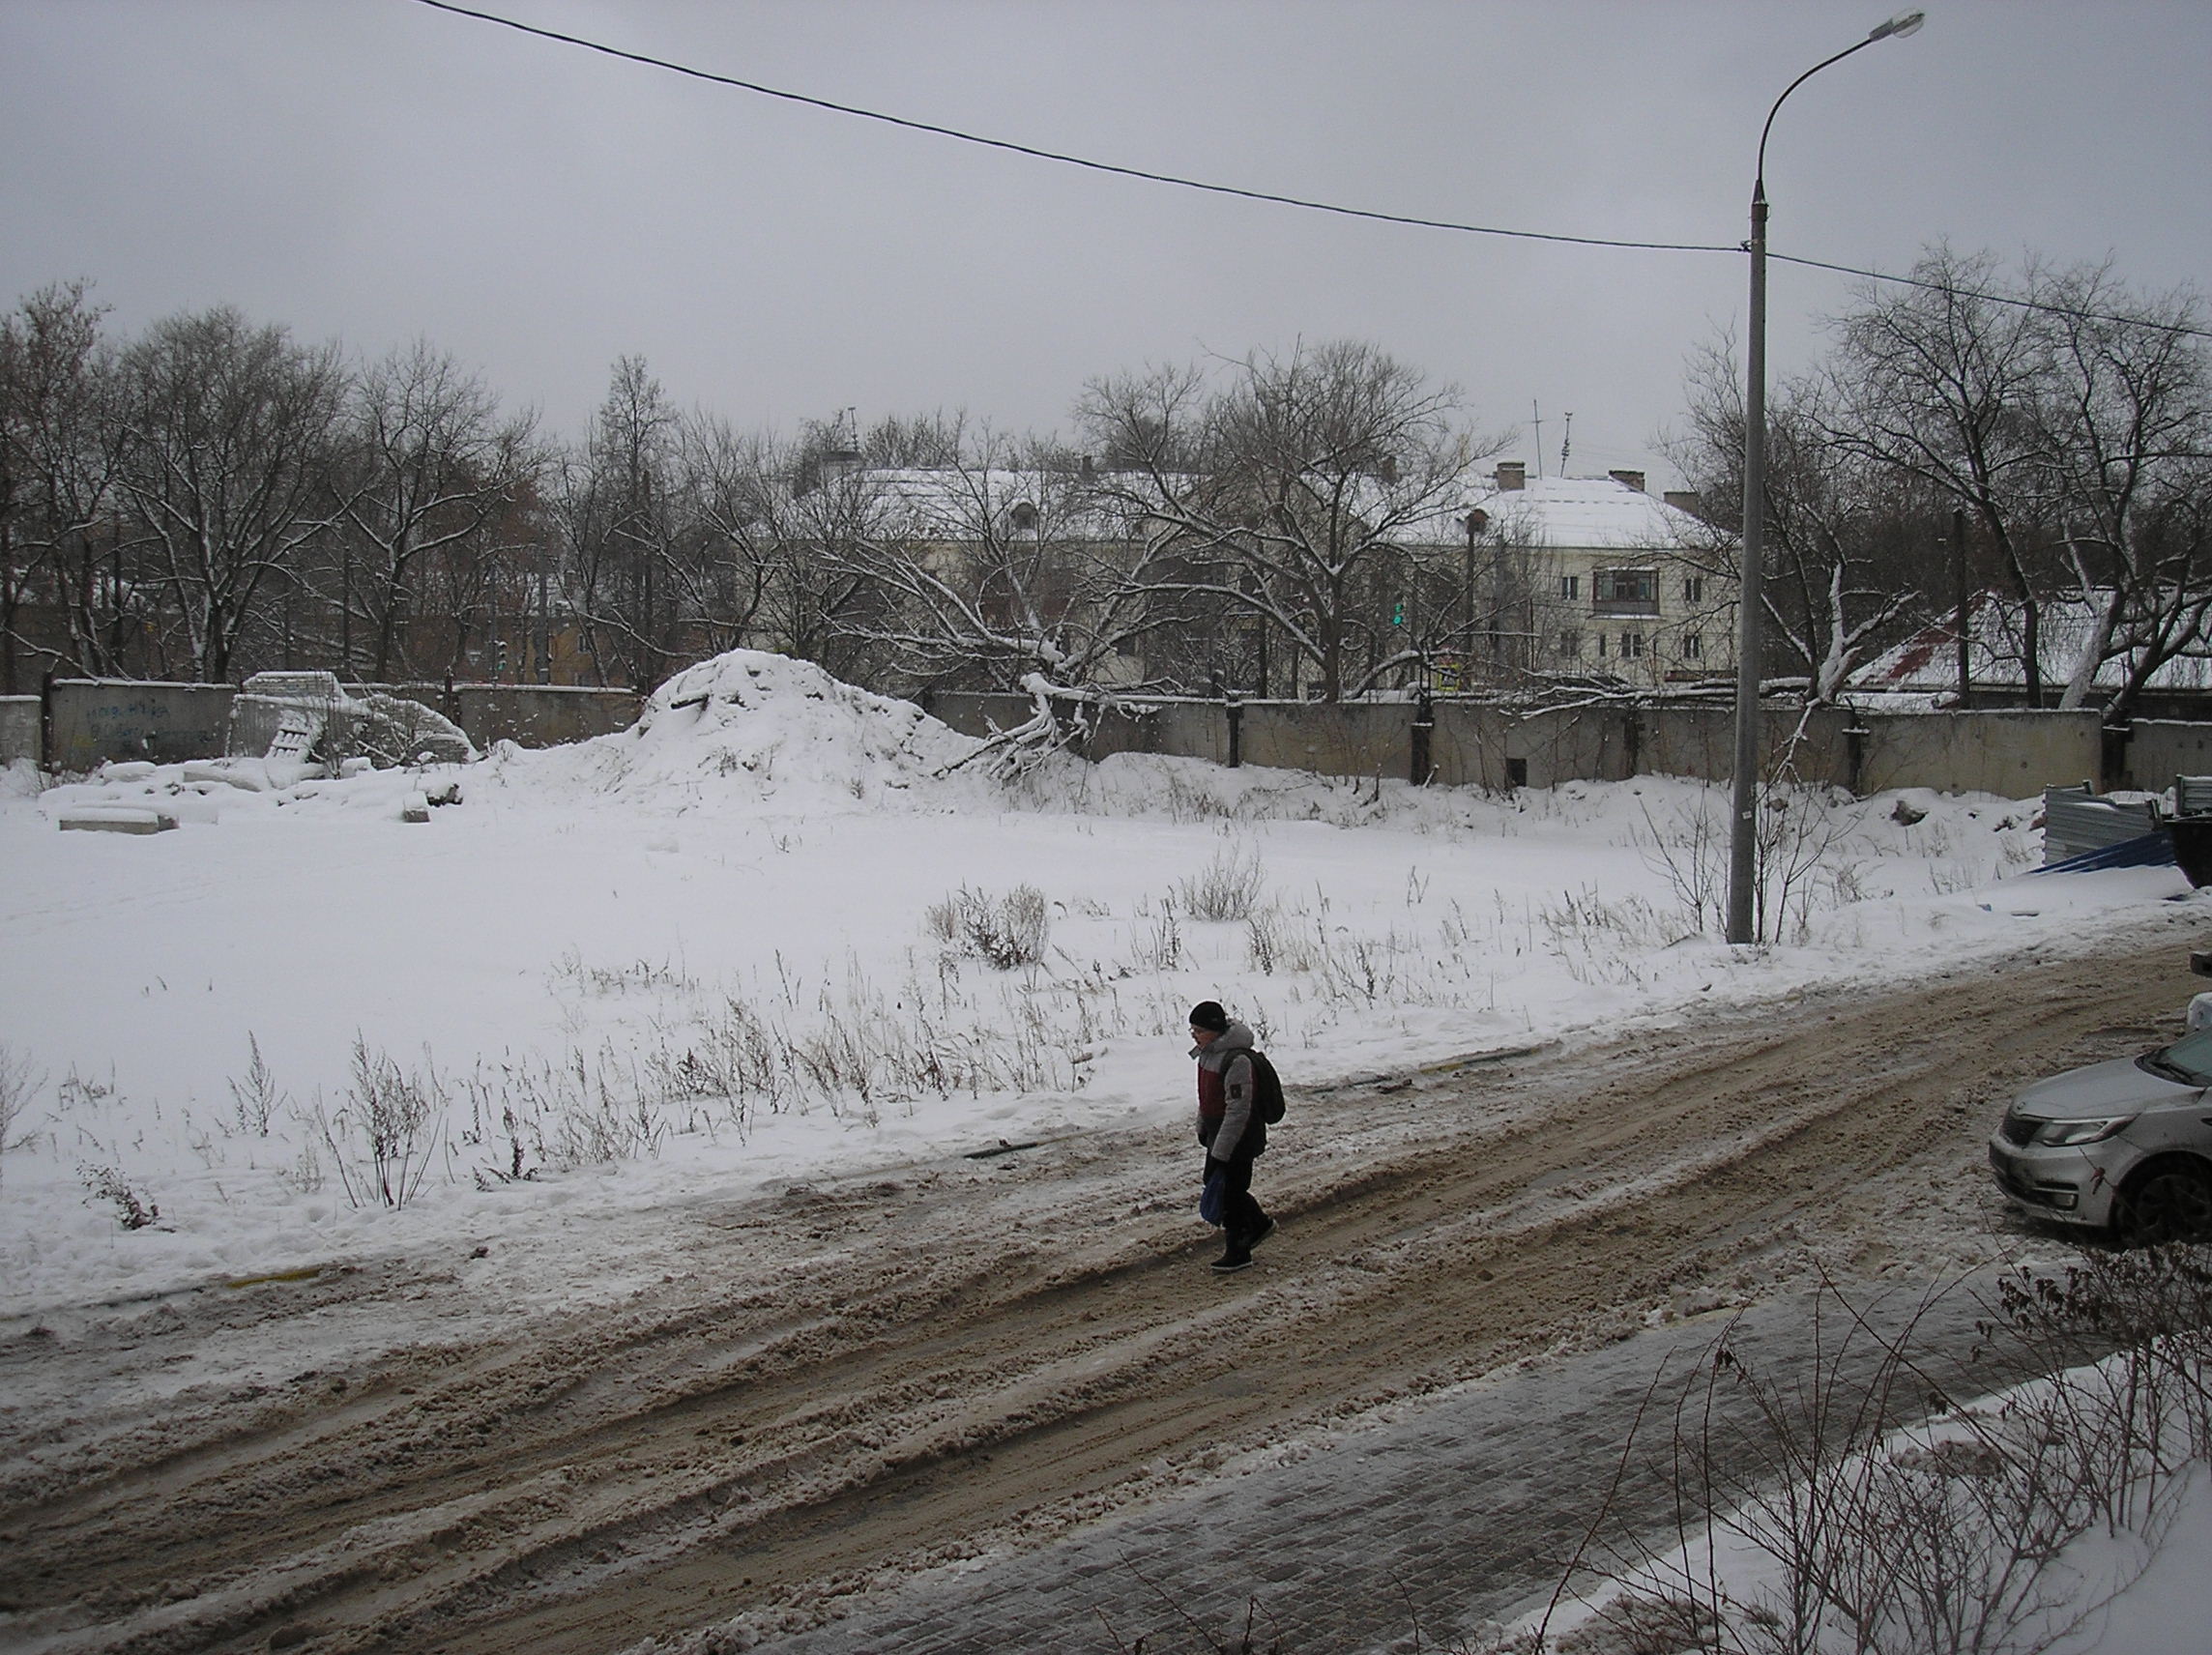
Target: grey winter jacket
1238	1126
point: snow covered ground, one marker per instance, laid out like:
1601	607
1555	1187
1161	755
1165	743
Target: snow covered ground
711	952
752	940
2127	1583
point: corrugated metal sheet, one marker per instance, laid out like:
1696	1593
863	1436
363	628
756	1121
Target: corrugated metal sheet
2075	821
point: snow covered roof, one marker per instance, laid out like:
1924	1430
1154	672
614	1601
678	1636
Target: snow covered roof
944	502
1588	513
1583	514
1928	661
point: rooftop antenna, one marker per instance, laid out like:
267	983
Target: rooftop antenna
1536	419
1567	442
844	448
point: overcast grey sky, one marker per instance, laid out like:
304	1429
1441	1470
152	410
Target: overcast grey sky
371	170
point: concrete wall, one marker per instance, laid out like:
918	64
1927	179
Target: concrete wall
1467	745
95	720
98	720
18	729
541	714
1700	742
1347	740
2013	753
528	714
2159	751
1489	746
1194	729
974	714
1189	729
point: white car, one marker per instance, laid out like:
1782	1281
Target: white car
2124	1146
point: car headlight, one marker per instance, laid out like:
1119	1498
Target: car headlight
2061	1133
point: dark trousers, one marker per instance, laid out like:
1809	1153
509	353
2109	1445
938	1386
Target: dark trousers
1241	1217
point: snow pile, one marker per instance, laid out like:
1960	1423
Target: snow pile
747	726
205	791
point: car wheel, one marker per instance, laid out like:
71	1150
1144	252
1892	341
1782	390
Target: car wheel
2169	1203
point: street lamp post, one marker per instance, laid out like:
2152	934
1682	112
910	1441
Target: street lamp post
1743	803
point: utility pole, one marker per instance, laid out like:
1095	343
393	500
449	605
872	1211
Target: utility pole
1965	603
1475	521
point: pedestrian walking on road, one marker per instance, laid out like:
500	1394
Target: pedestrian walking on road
1230	1127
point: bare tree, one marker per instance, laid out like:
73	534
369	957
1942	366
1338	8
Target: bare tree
1942	381
2127	427
59	450
829	508
619	514
2071	420
1839	525
226	444
427	468
729	552
1001	568
1287	494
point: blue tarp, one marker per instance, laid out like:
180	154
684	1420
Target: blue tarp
2145	851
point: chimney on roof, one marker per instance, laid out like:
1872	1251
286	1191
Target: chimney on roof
1090	468
1512	476
1686	500
1628	479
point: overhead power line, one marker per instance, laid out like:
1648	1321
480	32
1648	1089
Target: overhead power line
1083	162
1270	197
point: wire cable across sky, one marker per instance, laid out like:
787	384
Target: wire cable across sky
1270	197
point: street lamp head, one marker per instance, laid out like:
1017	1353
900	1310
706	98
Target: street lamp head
1898	27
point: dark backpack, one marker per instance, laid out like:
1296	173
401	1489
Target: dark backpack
1267	1089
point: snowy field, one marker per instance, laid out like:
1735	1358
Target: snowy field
775	932
784	929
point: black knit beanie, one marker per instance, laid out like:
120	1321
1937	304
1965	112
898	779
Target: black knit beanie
1207	1014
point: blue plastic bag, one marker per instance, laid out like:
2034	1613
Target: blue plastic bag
1210	1201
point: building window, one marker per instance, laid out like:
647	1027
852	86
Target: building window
1570	586
1694	588
1600	636
1570	643
1693	647
1631	645
1626	592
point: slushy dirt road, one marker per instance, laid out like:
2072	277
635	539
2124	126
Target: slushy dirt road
859	1378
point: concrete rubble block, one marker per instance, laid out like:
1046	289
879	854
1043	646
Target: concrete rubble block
247	777
415	808
114	819
322	686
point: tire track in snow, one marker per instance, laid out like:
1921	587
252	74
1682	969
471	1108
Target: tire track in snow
882	1375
